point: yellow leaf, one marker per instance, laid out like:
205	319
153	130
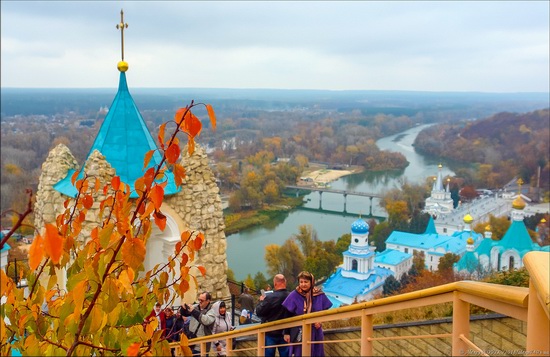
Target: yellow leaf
98	320
110	298
125	281
79	294
53	243
133	252
211	115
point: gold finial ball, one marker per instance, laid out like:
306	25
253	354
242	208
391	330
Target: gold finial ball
468	219
488	228
470	241
122	66
518	203
440	166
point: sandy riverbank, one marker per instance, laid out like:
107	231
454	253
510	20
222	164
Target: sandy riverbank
324	176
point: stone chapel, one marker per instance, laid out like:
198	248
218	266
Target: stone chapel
119	148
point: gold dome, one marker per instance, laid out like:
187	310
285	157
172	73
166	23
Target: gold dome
470	241
518	203
468	219
543	221
122	66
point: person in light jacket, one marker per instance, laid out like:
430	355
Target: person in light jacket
221	324
202	318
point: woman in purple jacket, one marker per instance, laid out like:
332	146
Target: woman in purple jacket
304	300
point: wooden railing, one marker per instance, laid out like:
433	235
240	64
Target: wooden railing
526	304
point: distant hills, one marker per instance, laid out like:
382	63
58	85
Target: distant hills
427	106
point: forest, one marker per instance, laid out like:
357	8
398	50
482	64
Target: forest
256	128
499	147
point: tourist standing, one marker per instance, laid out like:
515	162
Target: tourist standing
221	324
159	315
246	300
270	308
202	318
304	300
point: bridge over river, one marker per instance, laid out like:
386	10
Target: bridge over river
299	190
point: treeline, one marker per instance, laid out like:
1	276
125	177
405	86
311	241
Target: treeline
501	147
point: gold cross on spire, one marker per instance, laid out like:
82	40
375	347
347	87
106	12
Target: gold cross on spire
520	183
121	26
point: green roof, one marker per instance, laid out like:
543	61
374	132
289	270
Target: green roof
124	140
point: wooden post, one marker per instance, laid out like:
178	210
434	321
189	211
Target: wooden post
367	331
461	324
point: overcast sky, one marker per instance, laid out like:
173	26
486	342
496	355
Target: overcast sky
493	46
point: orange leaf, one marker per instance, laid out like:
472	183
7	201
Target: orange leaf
191	146
148	157
184	259
133	349
115	183
172	153
185	236
179	174
161	135
149	177
192	125
36	252
74	176
53	243
198	243
178	117
87	201
211	115
184	286
160	220
202	270
97	185
156	195
133	252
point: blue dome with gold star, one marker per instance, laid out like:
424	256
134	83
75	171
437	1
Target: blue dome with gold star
359	227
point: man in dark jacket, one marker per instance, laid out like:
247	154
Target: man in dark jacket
270	309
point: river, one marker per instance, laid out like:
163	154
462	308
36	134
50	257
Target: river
246	249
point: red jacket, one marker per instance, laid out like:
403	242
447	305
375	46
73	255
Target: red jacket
162	316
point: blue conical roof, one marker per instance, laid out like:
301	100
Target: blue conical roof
430	228
124	140
468	262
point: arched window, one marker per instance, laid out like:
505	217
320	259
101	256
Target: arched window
354	265
511	265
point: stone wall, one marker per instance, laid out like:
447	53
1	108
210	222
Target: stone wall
495	334
198	206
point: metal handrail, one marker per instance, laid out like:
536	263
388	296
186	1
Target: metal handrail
525	304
